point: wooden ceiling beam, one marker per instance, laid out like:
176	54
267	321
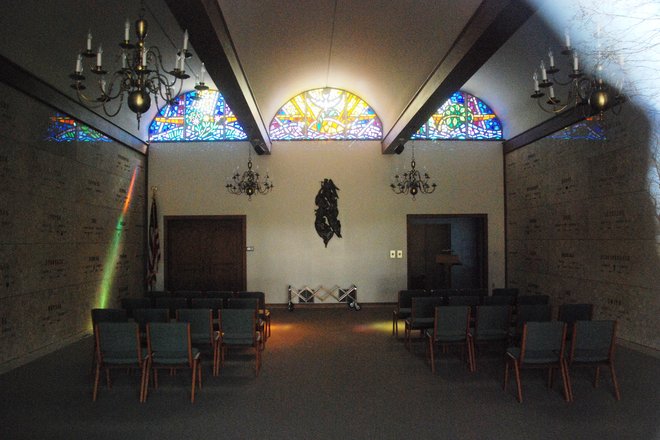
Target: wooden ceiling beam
213	44
488	29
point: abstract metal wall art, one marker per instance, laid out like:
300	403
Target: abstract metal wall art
327	224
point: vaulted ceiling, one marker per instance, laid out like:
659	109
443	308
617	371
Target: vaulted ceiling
403	57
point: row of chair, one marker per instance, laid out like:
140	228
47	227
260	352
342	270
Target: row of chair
172	345
542	344
461	297
230	300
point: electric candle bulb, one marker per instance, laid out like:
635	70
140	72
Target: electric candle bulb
185	40
552	92
124	60
568	39
544	75
535	77
552	59
575	62
127	30
99	54
79	64
89	41
202	73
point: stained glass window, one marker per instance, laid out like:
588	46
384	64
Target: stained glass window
196	116
326	113
62	128
589	129
462	117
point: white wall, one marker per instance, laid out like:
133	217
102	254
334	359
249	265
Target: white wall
191	177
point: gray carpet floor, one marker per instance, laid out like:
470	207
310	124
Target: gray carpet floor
330	374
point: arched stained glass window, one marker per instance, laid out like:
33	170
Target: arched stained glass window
463	117
326	113
196	116
63	128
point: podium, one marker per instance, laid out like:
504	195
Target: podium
447	261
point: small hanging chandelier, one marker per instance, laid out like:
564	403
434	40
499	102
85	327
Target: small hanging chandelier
249	181
141	75
412	181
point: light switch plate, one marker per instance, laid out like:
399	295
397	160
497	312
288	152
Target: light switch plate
392	254
399	253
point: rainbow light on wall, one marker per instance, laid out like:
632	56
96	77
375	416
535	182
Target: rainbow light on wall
110	266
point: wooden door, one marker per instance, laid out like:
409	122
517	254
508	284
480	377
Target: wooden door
205	253
425	242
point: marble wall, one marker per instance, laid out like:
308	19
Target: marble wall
582	222
72	229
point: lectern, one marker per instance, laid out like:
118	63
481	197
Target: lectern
447	261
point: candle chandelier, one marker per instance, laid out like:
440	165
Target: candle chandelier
412	182
141	75
581	89
249	181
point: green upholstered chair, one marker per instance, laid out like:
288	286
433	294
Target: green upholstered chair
506	291
532	299
542	346
202	334
491	324
224	294
569	313
118	346
529	312
403	305
263	312
238	329
214	304
105	315
593	344
450	326
170	348
422	316
499	300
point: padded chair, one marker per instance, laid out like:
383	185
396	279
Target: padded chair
145	316
188	294
403	305
202	334
542	346
238	328
532	299
105	315
491	324
170	348
118	346
450	326
422	315
263	312
593	344
130	304
172	303
465	300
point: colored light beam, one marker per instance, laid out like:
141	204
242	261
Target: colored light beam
110	266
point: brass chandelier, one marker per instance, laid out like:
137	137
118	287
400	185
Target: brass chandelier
249	181
141	75
580	88
412	182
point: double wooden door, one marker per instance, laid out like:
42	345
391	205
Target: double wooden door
205	253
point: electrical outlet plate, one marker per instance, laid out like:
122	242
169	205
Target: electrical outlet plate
392	254
399	253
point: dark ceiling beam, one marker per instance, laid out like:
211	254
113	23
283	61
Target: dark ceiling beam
213	44
488	29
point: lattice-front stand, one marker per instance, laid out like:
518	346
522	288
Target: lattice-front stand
307	295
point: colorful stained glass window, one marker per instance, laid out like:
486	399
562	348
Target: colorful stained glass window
323	114
462	117
589	129
62	128
196	116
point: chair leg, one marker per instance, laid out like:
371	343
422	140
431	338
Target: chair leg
257	361
194	380
97	377
617	394
516	370
394	323
568	393
432	354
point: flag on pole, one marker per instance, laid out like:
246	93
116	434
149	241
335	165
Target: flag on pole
154	244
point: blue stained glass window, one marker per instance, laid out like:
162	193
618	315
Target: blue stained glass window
462	117
63	128
589	129
324	114
196	116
